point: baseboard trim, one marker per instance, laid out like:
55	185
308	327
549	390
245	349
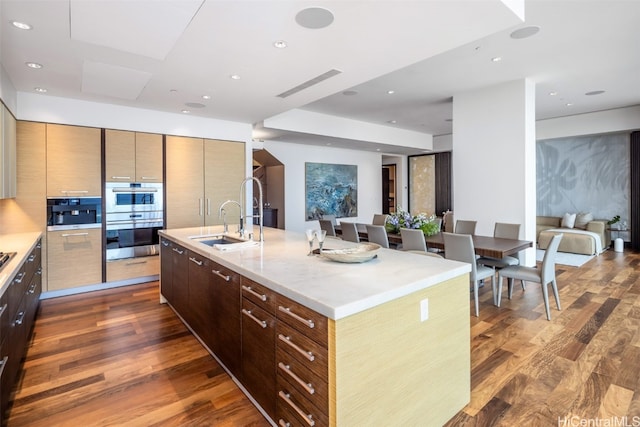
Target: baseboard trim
98	287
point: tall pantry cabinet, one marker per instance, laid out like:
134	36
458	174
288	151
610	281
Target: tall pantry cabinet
200	175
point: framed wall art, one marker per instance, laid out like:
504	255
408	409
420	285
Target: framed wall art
331	189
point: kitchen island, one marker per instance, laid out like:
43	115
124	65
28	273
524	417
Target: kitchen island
315	342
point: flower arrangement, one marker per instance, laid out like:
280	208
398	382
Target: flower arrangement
403	219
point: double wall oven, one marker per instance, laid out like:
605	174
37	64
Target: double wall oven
133	216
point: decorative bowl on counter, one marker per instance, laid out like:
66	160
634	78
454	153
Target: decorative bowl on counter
361	253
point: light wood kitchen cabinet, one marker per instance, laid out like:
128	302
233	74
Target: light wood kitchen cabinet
258	344
123	269
201	174
132	156
8	171
74	258
73	161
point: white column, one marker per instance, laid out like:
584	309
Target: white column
494	158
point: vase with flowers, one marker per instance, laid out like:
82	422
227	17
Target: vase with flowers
403	219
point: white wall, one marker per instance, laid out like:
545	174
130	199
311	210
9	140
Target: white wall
615	120
294	156
493	158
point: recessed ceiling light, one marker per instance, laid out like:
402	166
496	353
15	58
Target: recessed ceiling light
553	93
173	91
40	90
349	93
280	44
569	104
21	25
391	92
194	105
393	122
185	111
377	149
496	59
33	65
594	92
525	32
206	96
235	76
314	18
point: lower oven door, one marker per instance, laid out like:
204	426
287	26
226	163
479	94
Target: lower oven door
123	242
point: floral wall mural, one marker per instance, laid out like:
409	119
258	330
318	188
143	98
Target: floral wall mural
584	174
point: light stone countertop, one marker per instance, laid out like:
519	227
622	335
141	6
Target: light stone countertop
23	244
334	289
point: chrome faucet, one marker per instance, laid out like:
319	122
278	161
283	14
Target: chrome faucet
260	204
223	214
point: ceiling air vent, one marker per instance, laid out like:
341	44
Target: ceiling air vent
309	83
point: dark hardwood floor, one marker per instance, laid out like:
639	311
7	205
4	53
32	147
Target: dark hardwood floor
118	357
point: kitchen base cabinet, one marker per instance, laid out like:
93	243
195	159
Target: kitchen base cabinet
74	258
225	317
201	300
130	268
18	308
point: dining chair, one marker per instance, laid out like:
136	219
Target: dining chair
379	219
465	227
504	231
544	275
447	221
378	234
413	240
327	225
349	231
331	218
459	247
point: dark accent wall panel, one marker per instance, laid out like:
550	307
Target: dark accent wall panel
443	182
634	154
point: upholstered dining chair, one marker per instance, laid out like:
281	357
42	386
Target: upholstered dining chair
379	219
331	218
413	240
465	227
377	234
459	247
447	221
544	275
349	231
504	231
327	225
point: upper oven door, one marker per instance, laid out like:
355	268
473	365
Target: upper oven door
136	197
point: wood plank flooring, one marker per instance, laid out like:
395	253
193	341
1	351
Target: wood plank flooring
118	357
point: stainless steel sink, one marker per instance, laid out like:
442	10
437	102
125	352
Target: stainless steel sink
217	240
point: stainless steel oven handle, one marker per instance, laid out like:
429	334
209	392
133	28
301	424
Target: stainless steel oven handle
134	190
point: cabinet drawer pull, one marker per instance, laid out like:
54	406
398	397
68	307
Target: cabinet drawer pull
39	271
262	297
192	259
32	289
74	191
307	417
31	258
135	262
148	178
3	363
20	318
19	277
164	243
219	274
254	318
283	423
120	177
180	252
3	309
74	234
307	386
309	322
287	340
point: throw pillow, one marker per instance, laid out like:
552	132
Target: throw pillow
568	220
582	219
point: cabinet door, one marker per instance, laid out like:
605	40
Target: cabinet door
258	355
226	316
166	270
73	161
201	302
74	258
223	173
179	279
8	172
120	161
148	157
123	269
185	183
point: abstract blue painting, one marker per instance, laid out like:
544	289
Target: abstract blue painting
331	190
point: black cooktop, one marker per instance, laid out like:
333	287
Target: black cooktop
5	257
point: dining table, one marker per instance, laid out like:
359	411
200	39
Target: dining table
486	246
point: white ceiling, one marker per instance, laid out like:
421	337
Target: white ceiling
162	55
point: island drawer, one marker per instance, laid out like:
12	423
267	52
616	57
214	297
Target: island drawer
303	319
260	295
294	410
292	343
293	374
